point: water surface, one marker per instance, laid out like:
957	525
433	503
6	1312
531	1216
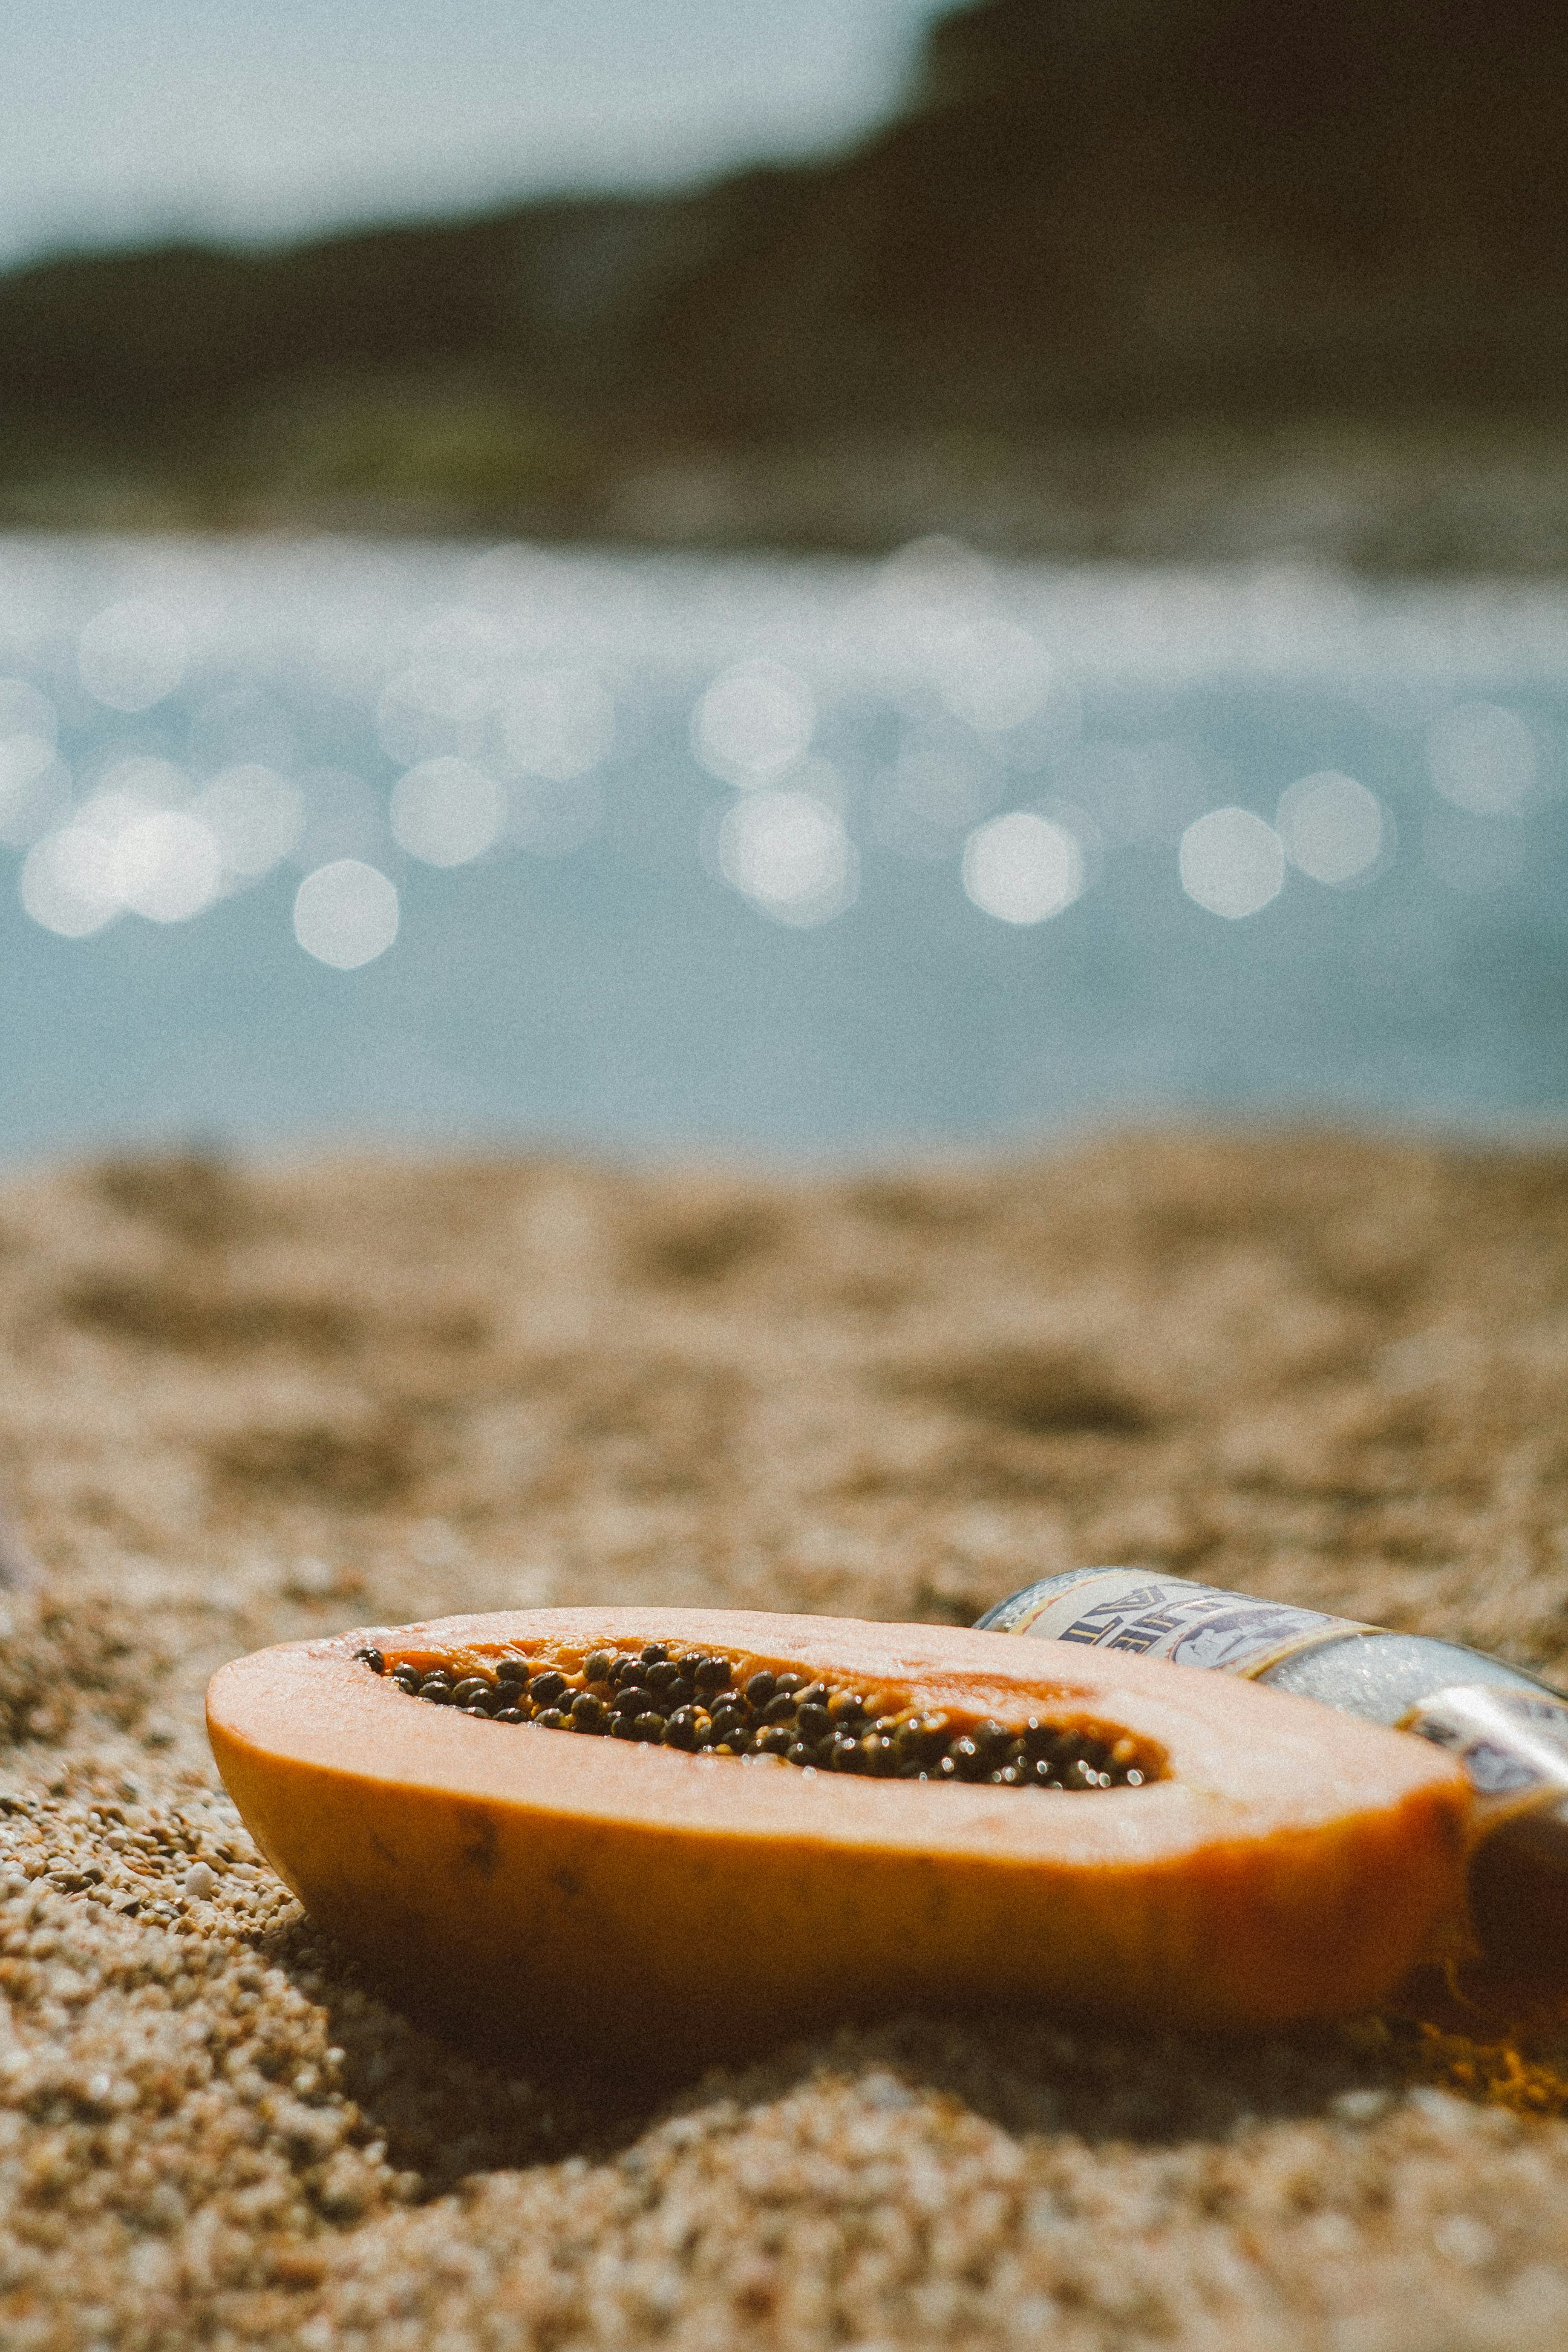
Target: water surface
452	845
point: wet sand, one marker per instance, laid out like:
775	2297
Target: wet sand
241	1405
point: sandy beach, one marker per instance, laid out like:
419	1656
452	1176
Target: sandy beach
241	1404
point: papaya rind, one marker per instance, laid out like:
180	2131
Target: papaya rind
594	1894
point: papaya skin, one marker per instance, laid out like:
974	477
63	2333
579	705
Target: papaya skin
594	1898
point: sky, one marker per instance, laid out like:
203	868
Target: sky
250	119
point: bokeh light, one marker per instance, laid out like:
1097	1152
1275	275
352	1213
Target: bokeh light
754	724
790	855
167	865
66	883
256	817
35	787
130	656
910	625
1331	826
1023	867
142	777
346	914
130	848
1483	757
448	812
992	673
559	724
1232	863
880	734
25	710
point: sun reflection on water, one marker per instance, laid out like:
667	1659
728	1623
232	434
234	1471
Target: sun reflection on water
754	724
181	727
1333	828
789	854
346	914
1232	863
1023	868
1483	759
446	812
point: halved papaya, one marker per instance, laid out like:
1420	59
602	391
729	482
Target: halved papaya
1021	1823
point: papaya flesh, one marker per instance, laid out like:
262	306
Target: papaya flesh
620	1901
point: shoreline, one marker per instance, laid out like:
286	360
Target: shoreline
1440	501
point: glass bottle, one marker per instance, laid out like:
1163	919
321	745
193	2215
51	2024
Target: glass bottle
1507	1727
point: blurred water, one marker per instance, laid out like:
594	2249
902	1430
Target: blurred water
412	841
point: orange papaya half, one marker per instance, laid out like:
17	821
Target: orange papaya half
1237	1858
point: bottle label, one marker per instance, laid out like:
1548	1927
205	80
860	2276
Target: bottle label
1168	1617
1512	1743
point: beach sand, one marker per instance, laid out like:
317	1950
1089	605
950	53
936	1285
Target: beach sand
239	1406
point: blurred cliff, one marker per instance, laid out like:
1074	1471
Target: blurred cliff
1137	277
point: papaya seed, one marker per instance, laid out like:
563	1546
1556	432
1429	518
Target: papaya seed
690	1702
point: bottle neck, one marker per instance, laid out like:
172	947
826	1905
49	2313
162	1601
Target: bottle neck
1384	1679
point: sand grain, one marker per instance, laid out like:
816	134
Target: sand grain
239	1406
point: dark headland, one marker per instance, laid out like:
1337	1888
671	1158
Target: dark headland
1138	278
